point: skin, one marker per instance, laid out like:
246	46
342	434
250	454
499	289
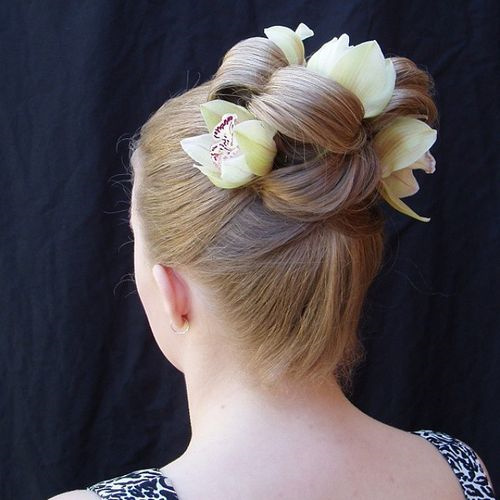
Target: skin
292	441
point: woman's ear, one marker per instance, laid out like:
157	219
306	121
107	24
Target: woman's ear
174	294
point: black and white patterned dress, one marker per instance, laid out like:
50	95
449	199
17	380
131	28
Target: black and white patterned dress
138	485
146	484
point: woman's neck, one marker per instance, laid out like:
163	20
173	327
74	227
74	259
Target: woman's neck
230	408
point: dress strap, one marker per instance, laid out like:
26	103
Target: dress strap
143	483
464	462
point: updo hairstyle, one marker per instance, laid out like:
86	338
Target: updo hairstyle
286	259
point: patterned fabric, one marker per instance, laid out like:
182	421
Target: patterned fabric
464	462
138	485
152	483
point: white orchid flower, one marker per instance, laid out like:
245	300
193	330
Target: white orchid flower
403	146
238	147
362	69
289	41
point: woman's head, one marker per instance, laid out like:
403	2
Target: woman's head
285	261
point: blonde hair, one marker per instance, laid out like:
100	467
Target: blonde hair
289	257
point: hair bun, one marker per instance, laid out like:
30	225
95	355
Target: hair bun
331	186
245	69
311	108
300	104
325	166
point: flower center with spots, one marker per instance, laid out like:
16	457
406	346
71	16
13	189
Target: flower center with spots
225	145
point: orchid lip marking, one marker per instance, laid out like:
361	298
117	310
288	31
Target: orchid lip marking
225	145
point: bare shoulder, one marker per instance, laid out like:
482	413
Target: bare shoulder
422	466
463	451
76	495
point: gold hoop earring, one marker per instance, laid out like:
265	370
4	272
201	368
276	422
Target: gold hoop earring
184	328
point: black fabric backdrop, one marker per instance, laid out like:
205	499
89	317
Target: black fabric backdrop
86	393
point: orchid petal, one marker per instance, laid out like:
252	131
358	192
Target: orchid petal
217	180
328	54
399	205
213	175
255	140
235	171
427	163
402	142
381	97
402	183
198	148
289	41
303	31
213	111
364	71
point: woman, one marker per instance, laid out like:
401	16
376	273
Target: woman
253	263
